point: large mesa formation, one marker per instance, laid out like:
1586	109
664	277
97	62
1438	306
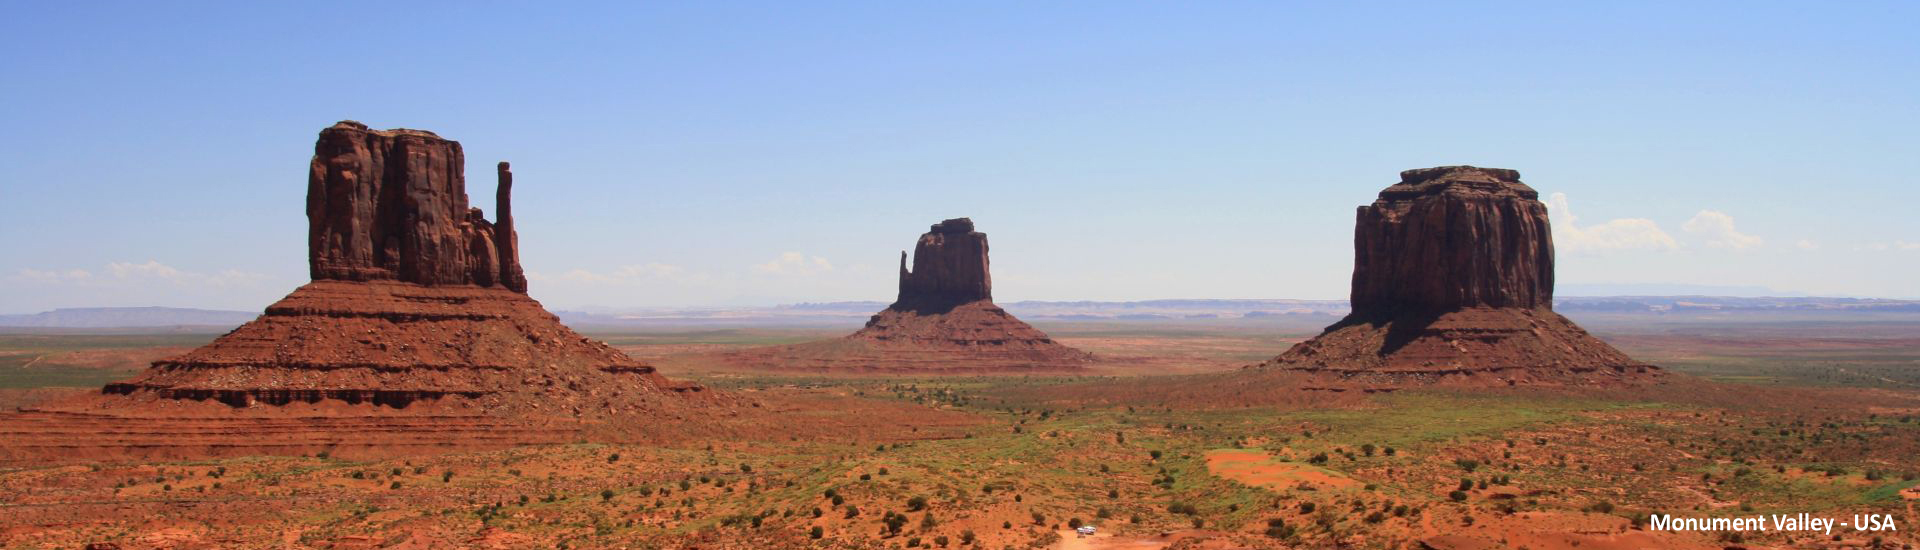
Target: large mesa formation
417	312
1453	282
944	321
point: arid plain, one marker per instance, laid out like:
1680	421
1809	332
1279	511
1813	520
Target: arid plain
1776	411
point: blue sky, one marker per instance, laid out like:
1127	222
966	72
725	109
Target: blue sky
709	153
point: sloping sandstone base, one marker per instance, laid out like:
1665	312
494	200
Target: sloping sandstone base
369	365
973	338
1472	346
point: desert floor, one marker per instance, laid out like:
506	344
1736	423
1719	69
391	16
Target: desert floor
1167	444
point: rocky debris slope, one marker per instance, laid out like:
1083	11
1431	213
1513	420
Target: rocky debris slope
389	344
944	321
417	308
1453	282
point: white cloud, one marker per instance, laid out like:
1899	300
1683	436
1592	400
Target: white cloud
574	275
1617	234
231	277
795	263
1805	244
129	273
51	276
1717	228
153	268
651	271
1895	245
654	270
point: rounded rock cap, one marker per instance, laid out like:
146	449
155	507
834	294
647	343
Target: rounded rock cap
1461	172
1458	180
955	225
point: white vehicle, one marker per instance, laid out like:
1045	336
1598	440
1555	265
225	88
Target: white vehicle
1085	530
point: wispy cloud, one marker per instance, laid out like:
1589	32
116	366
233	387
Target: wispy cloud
1718	230
130	273
795	263
1901	246
1616	234
651	271
51	276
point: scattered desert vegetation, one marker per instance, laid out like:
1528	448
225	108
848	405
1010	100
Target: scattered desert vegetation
1041	455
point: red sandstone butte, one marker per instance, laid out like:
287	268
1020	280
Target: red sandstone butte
943	322
416	332
1453	282
392	205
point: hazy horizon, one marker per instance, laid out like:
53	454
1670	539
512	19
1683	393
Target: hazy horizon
728	155
1582	292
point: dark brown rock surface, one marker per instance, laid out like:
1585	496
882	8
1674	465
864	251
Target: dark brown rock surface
392	205
949	269
1453	282
1452	237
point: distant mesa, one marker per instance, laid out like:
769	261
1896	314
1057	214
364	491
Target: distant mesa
944	321
1453	283
415	331
170	318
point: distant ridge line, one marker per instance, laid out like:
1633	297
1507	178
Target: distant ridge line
1074	310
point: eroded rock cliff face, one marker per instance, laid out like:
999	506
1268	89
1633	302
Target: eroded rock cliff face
1452	237
949	269
1453	283
944	322
392	205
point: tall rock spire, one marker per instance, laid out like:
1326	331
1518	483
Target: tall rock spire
506	241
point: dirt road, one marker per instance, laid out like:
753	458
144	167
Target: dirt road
1070	540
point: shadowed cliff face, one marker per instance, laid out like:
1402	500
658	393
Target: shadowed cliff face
1453	283
949	269
392	205
1449	238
